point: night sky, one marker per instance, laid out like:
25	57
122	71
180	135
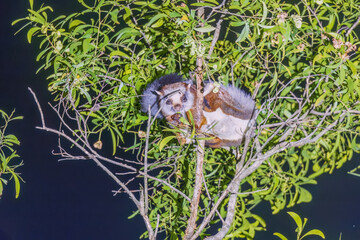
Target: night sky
73	200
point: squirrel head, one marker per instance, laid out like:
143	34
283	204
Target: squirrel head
175	98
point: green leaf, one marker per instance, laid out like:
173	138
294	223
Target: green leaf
87	95
315	232
134	214
264	12
317	58
127	33
141	3
86	45
212	1
75	23
165	141
260	219
84	4
158	23
305	196
155	18
12	139
113	138
320	99
286	91
282	237
297	220
99	5
184	120
17	185
205	29
31	32
114	16
31	4
244	33
264	26
342	74
352	67
118	53
36	17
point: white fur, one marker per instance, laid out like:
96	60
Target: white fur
224	126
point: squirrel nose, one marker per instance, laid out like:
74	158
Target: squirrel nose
177	107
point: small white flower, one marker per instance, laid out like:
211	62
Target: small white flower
282	17
59	45
319	2
201	51
193	49
297	20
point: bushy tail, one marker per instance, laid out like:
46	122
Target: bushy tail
242	100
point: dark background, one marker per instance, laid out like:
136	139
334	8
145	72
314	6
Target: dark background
73	200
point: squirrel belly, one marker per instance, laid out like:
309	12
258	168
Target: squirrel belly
225	115
224	126
227	111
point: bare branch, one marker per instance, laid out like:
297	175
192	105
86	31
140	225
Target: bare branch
198	115
209	197
146	162
314	14
353	26
157	227
39	107
216	35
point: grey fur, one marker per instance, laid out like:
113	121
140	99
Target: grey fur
150	97
243	100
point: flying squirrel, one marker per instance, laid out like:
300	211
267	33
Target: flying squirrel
226	110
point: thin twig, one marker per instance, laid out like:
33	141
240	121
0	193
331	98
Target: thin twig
353	26
216	36
39	107
146	162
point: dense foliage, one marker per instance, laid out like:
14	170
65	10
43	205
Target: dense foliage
8	156
299	60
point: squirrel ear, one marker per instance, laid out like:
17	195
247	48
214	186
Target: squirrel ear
159	93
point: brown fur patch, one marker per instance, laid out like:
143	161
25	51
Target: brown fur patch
224	101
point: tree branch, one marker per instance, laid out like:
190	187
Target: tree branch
200	146
146	194
353	26
216	35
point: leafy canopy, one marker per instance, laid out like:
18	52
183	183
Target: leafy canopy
299	60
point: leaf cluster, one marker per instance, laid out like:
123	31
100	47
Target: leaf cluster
300	227
8	155
299	60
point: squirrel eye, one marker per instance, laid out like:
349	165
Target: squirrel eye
184	99
168	102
